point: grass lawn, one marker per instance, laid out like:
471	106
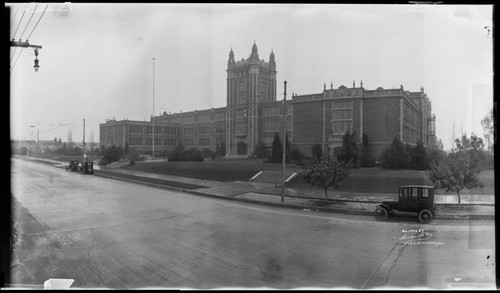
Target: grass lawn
362	180
217	170
373	180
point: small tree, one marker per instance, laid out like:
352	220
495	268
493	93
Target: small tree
317	151
326	172
126	149
296	155
366	158
349	148
277	150
455	172
418	157
260	150
488	126
178	153
23	151
394	156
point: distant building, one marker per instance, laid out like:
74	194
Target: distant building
253	116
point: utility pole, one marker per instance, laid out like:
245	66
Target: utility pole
153	153
38	138
83	135
284	148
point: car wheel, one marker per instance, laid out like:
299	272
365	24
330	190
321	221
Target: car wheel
425	216
381	214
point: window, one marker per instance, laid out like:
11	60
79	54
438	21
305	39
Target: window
241	113
149	141
220	128
188	142
268	140
271	126
274	111
149	129
188	119
135	141
158	129
203	130
188	131
425	192
157	141
220	116
170	142
204	142
241	128
170	130
204	118
135	129
219	141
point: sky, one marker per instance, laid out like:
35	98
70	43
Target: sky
96	60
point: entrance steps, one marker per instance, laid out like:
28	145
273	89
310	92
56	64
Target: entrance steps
273	176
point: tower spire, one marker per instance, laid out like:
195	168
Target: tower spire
231	56
254	51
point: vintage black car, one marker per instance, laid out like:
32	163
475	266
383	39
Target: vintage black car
87	168
412	198
73	166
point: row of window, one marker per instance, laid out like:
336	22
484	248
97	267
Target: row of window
272	126
172	142
137	129
342	114
276	111
219	116
268	139
340	127
342	105
219	128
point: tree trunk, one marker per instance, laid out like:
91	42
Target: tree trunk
326	193
458	195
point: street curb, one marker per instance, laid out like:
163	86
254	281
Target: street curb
301	207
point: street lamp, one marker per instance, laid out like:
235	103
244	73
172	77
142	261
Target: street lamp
36	66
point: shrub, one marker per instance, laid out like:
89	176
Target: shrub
260	150
111	154
317	151
297	155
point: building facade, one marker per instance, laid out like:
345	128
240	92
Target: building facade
380	114
253	116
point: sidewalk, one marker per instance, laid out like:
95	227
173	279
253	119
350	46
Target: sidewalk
473	207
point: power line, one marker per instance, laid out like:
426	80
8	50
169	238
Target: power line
15	49
37	22
17	10
29	21
14	36
13	66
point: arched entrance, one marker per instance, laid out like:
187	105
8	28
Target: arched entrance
242	148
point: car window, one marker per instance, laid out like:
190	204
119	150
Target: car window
425	192
402	193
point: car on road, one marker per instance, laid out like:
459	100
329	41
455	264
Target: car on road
412	199
73	166
87	168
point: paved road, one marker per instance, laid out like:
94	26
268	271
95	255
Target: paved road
107	233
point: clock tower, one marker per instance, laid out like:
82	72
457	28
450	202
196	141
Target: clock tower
249	82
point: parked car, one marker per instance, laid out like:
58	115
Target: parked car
87	168
73	166
413	199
